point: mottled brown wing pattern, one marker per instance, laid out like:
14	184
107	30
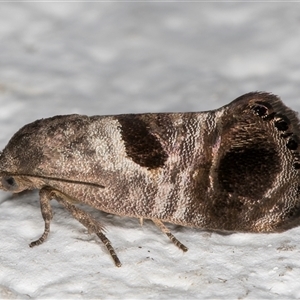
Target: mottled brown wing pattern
257	169
231	169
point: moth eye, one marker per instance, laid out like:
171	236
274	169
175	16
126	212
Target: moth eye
281	123
292	144
9	183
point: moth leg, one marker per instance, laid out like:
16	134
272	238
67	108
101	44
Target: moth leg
45	198
141	221
165	230
89	222
110	248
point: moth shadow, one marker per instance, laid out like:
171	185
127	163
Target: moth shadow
21	196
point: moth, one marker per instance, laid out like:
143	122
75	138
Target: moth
234	169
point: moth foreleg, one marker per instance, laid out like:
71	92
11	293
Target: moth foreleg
45	197
89	222
165	230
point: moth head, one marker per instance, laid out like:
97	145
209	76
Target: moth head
21	157
8	183
15	183
42	150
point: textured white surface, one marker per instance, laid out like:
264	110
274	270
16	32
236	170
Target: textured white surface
109	58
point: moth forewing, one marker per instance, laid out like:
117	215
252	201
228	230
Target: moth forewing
231	169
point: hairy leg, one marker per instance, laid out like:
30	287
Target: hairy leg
93	226
45	198
165	230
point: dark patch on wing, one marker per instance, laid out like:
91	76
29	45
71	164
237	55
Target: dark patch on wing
248	166
250	171
251	155
141	145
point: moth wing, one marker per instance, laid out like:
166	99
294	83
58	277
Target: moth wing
256	172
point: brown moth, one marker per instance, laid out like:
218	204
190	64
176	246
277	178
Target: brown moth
232	169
